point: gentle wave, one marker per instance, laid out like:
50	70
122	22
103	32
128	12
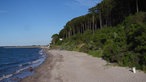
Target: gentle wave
9	63
10	75
27	65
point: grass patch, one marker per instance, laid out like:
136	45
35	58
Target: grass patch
96	53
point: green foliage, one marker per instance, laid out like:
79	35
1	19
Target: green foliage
136	38
144	68
96	53
55	38
110	51
130	59
138	18
124	43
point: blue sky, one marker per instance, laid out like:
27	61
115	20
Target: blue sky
32	22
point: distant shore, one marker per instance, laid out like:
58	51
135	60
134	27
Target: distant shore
33	46
70	66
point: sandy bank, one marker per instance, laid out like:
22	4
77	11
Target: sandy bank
70	66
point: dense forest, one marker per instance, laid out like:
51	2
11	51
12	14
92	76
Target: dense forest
113	29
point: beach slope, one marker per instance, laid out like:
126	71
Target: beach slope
71	66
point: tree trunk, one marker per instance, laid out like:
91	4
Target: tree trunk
100	19
83	27
88	24
137	8
93	23
95	26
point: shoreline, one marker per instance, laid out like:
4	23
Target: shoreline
35	46
23	69
71	66
38	70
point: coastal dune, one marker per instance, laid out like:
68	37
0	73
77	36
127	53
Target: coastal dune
71	66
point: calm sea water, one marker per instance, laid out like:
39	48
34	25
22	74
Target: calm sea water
15	62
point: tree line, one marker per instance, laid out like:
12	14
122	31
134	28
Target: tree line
106	13
113	29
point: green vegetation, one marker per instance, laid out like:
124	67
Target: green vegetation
114	30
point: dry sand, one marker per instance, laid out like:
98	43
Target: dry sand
71	66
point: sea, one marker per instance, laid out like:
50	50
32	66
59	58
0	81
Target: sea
18	63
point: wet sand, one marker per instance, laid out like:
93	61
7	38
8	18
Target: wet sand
71	66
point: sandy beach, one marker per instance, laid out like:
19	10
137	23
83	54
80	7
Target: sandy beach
71	66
